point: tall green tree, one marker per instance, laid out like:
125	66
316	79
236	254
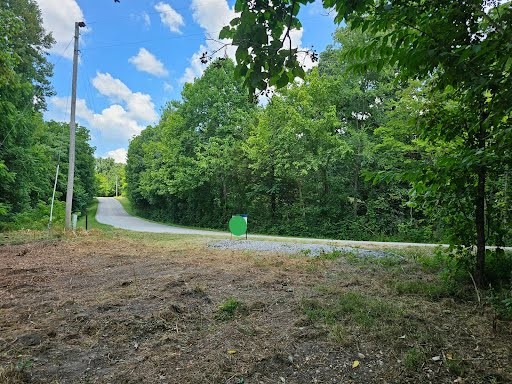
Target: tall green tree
187	168
24	73
109	175
463	47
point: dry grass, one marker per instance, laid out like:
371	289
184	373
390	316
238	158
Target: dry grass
118	308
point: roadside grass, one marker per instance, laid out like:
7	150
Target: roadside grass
91	219
127	205
30	235
435	289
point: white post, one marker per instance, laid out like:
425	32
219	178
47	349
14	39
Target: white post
53	196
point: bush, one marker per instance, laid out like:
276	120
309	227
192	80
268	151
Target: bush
38	217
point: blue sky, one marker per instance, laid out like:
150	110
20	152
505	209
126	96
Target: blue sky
135	56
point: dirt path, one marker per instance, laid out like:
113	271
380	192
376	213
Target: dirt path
147	308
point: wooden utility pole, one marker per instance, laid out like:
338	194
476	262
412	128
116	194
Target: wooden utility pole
71	170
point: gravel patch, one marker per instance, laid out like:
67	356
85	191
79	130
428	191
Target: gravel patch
284	247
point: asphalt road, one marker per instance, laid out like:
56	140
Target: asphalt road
111	212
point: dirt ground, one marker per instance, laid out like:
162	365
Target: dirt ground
168	309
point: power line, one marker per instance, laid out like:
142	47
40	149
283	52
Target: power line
142	41
109	20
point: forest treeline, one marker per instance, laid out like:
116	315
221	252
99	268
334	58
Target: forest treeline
31	148
338	155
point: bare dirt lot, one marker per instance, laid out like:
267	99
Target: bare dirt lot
119	308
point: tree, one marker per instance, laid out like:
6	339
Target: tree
460	46
187	168
109	174
24	72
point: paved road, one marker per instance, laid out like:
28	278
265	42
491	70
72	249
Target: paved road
111	212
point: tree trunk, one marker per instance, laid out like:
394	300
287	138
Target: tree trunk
480	228
480	212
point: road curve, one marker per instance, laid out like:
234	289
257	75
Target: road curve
111	212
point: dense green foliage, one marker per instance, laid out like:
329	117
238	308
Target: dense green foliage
108	175
29	147
303	165
462	54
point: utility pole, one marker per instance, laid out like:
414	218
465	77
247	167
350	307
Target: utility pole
71	170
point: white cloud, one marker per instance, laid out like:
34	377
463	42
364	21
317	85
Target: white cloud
145	61
212	16
147	19
116	121
139	105
170	17
304	59
59	18
168	87
142	17
119	155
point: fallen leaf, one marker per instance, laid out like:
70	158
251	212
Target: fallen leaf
449	356
231	351
436	358
361	356
402	337
355	364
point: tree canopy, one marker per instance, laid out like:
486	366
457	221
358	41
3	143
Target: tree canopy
461	53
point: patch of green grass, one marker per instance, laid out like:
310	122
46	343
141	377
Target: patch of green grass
413	358
390	261
91	219
352	308
28	236
228	308
431	289
336	254
127	205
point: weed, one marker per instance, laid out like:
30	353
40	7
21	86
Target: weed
341	335
352	307
228	308
456	367
15	374
413	359
501	301
335	254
